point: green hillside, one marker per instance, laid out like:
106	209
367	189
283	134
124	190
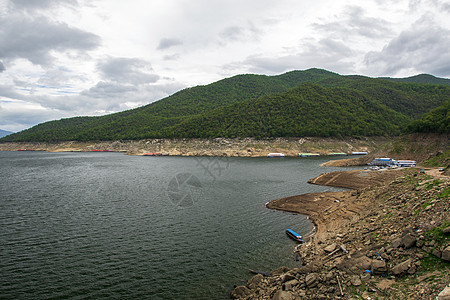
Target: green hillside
421	78
396	104
307	110
436	121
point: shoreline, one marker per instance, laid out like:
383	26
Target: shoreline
373	241
343	204
220	147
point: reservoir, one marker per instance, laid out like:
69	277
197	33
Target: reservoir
114	226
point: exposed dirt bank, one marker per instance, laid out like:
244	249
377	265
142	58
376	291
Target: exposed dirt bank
419	147
394	226
212	147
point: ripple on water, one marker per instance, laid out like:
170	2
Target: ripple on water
101	225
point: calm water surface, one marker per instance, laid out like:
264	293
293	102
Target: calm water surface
108	225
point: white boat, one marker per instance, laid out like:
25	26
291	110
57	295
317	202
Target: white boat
275	155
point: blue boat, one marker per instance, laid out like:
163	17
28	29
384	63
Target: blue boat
294	235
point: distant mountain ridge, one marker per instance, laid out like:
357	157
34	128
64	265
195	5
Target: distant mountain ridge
290	104
5	133
421	78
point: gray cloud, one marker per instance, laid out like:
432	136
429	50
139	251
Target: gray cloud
41	4
167	43
127	70
2	67
34	39
423	48
108	90
326	53
354	22
234	33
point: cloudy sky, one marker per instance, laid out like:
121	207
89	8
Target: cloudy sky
63	58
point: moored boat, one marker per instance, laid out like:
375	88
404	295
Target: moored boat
294	235
275	155
308	154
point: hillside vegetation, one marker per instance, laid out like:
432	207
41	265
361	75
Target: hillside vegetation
299	103
437	120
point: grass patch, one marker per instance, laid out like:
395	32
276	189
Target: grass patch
438	161
445	193
431	263
437	234
432	184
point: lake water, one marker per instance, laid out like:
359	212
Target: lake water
108	225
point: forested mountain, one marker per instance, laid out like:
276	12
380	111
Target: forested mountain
437	121
4	133
290	104
421	78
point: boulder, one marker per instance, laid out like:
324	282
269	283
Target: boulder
437	253
378	266
444	294
312	280
396	243
355	265
255	281
355	280
402	267
330	248
284	295
289	285
289	275
446	254
240	292
446	230
408	240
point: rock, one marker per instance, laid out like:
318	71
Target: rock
408	240
401	267
312	280
330	248
396	243
290	284
408	230
279	271
355	265
365	276
283	295
446	230
255	281
446	254
355	280
385	284
412	270
378	266
240	292
436	253
330	276
289	276
444	294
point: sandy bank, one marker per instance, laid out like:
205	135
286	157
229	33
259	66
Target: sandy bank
247	147
329	211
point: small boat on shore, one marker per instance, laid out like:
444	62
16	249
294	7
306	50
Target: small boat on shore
308	154
294	235
275	155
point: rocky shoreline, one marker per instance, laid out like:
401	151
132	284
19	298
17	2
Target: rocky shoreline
388	238
221	147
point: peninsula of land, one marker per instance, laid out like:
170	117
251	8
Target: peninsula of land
387	238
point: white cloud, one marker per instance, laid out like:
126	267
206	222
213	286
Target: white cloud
80	57
423	48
